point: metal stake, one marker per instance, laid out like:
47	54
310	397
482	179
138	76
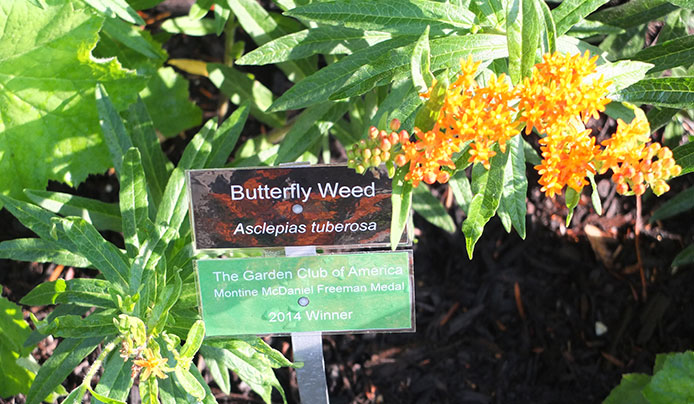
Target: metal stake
308	348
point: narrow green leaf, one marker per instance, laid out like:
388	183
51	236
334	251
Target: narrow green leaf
275	358
165	302
219	373
587	28
625	45
420	63
310	125
571	12
174	205
104	398
189	383
170	392
672	92
117	8
149	390
262	27
595	195
431	209
76	395
132	198
404	18
116	380
401	102
512	206
103	255
78	291
199	9
549	39
199	148
240	87
681	202
115	135
633	13
401	200
189	26
684	156
669	54
130	36
65	358
488	187
104	216
460	185
688	4
489	12
221	12
571	197
99	324
155	164
193	340
659	117
321	40
40	250
522	33
685	257
226	136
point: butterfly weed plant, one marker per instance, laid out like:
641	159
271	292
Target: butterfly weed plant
466	94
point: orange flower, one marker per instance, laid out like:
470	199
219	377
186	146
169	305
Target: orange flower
153	364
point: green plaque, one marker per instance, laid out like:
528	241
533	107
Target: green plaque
329	293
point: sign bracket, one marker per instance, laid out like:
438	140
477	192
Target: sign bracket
308	348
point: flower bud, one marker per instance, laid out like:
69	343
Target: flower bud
385	144
395	124
404	136
375	161
400	160
385	156
373	132
443	177
429	178
366	154
393	138
360	169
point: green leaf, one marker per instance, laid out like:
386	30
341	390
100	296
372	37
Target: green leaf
155	164
133	38
309	126
116	8
133	199
672	92
174	206
512	206
659	117
262	28
321	40
489	12
572	197
219	373
166	97
104	216
240	87
674	383
633	13
681	202
193	340
549	39
189	26
431	209
38	220
382	63
47	112
685	257
684	157
488	187
274	357
626	44
65	358
429	113
197	152
688	4
571	12
404	18
149	390
39	250
221	12
92	246
165	302
98	324
115	135
401	102
226	136
14	330
420	63
669	54
401	200
460	185
102	398
76	395
595	195
629	390
522	33
78	291
189	383
587	28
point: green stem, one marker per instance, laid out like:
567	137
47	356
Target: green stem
99	360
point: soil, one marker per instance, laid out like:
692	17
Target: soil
555	318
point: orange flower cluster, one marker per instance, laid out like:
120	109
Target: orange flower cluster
377	149
630	158
557	100
483	116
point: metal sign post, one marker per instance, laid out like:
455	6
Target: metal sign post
308	348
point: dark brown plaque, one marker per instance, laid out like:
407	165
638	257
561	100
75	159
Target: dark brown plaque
290	206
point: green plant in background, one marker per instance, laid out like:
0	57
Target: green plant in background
59	59
144	299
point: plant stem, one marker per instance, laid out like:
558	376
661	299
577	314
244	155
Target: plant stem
637	231
99	360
